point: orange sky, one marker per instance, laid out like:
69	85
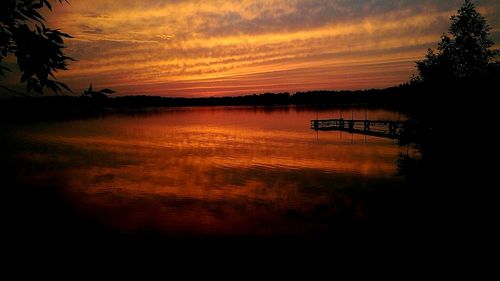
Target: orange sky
233	47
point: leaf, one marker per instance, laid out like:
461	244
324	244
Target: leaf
68	58
37	5
66	35
64	86
34	15
47	3
37	15
52	85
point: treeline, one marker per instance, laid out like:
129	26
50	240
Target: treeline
385	97
323	97
157	101
71	106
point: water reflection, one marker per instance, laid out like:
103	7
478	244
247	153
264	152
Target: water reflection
209	171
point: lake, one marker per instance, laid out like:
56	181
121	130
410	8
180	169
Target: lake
205	172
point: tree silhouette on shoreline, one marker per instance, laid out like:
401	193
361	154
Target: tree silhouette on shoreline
90	92
455	90
463	54
38	49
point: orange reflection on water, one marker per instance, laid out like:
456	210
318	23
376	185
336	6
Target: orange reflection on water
212	171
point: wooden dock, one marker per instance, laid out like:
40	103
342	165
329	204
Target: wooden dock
376	128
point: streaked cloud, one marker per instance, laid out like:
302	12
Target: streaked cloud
230	47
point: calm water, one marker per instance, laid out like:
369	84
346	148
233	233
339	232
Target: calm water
209	171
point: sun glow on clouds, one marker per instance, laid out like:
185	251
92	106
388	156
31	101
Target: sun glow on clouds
203	48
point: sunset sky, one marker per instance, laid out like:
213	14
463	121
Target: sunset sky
233	47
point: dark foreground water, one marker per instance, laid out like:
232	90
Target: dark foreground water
200	175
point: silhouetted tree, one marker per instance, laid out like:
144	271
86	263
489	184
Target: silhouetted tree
465	53
38	49
97	94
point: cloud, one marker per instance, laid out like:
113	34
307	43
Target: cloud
238	46
89	29
95	15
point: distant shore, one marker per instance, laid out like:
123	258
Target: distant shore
422	100
75	106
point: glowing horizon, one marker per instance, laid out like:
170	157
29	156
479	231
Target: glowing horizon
234	47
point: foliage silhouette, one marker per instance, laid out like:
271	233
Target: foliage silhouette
38	49
464	53
97	94
454	115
